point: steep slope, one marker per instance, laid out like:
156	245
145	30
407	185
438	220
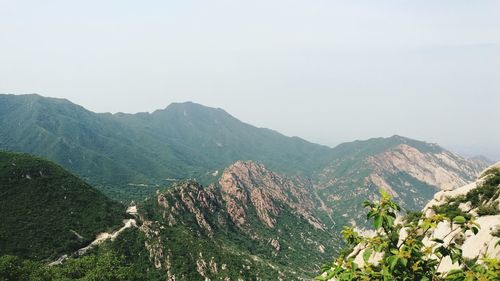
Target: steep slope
129	155
46	211
216	139
480	161
411	171
252	224
480	199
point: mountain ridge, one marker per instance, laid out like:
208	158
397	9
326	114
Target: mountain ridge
130	156
155	148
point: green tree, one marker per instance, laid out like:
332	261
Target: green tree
406	257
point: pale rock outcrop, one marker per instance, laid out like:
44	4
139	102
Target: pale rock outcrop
276	244
483	243
190	197
153	243
381	183
424	166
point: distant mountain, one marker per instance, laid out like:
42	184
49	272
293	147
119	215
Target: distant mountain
411	171
481	161
46	211
128	155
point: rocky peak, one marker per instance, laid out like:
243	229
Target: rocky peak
246	185
189	197
440	169
269	217
411	171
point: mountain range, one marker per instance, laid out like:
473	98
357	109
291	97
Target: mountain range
119	152
130	156
246	202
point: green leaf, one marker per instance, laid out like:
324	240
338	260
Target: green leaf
438	240
392	261
475	230
367	254
377	222
459	220
369	214
367	204
389	220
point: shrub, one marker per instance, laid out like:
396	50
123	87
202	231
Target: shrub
408	258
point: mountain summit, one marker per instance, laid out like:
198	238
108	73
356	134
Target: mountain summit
117	152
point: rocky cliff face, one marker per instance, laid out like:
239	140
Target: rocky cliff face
248	184
442	169
252	218
409	170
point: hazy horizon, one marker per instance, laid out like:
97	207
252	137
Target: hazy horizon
326	71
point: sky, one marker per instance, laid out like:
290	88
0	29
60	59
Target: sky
327	71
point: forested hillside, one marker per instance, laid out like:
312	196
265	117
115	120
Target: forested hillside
46	211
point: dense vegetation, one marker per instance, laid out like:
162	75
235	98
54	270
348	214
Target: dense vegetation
46	211
128	155
124	259
407	258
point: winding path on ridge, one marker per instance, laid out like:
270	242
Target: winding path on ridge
101	237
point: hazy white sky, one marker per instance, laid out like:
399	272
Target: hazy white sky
328	71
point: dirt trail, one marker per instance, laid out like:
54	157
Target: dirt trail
101	237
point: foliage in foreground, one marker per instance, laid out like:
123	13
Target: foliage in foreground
407	258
